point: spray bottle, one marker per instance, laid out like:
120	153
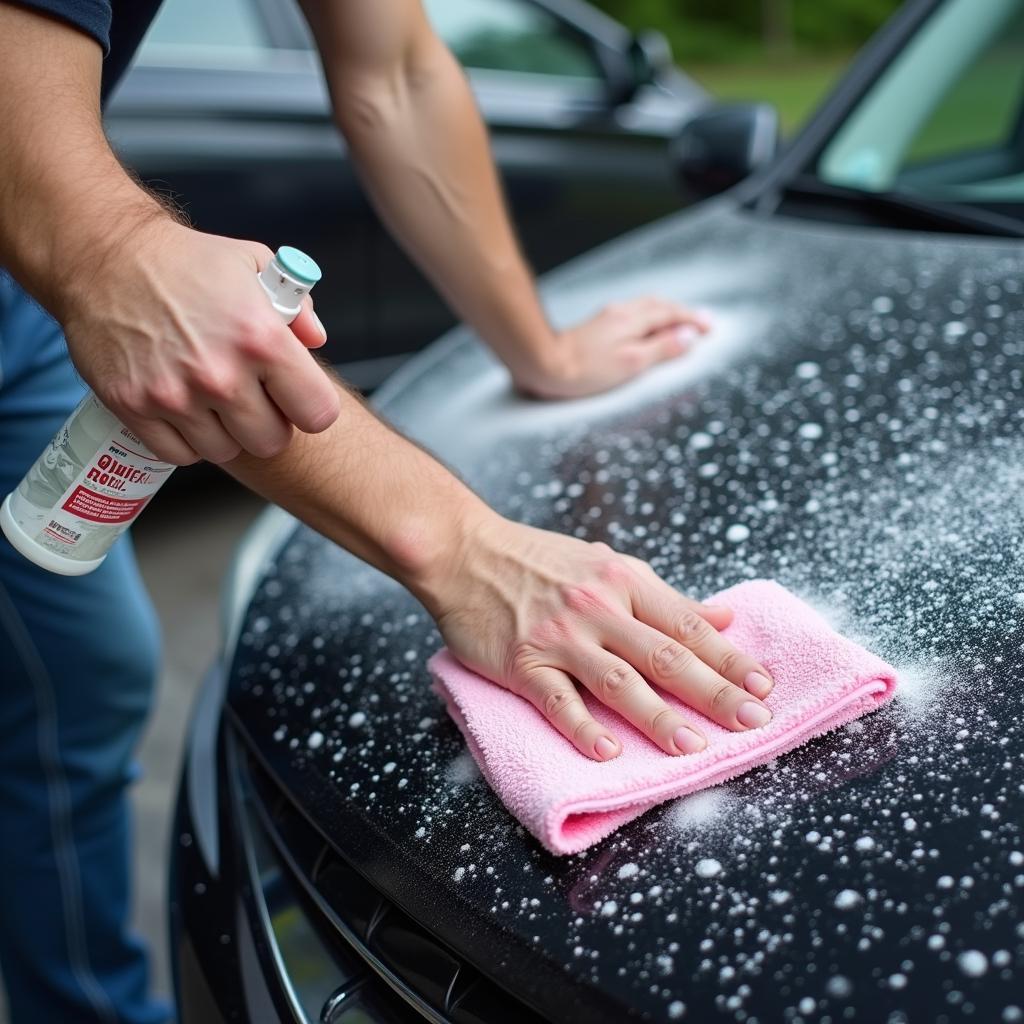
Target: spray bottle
96	476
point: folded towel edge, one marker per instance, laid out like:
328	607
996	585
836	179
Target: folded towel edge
622	808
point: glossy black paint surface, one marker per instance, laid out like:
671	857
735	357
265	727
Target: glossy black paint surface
853	430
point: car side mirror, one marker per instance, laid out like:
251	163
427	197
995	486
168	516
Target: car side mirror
626	69
721	146
652	56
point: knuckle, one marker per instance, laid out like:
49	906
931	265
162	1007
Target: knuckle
224	453
583	599
553	699
551	633
640	566
523	662
613	570
615	683
728	663
720	699
167	396
256	339
125	399
218	382
579	729
670	658
690	627
657	721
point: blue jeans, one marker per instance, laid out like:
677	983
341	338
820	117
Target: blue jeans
78	660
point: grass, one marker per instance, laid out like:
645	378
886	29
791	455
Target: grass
981	110
794	87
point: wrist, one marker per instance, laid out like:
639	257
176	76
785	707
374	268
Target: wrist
432	549
546	370
108	245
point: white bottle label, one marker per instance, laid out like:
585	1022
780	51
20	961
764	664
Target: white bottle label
105	476
96	476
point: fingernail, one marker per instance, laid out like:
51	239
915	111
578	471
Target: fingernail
320	326
758	684
752	715
686	334
604	748
688	741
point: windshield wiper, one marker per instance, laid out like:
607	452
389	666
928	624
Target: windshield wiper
901	210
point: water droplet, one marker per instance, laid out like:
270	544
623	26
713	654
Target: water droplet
708	867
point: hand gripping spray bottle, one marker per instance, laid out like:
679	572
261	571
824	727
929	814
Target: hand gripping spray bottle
96	476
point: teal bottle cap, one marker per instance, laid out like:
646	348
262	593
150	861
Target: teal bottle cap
298	264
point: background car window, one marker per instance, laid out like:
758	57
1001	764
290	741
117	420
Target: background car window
202	27
982	108
509	35
945	118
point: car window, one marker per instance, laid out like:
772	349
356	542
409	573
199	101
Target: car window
511	35
983	106
201	29
944	120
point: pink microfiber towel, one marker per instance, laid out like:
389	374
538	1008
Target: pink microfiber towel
569	802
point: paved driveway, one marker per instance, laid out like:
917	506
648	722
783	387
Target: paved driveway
184	543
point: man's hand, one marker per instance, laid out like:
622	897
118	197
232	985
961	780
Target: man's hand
178	339
620	342
539	612
169	327
408	116
535	611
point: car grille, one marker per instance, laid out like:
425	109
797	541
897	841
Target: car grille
313	896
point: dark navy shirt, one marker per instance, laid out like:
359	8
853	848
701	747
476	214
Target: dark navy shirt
117	25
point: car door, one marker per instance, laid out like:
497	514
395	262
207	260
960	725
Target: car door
577	169
226	112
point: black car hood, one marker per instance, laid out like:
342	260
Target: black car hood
859	410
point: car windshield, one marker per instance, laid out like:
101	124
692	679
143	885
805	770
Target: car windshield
943	123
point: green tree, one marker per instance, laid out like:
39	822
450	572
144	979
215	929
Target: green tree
731	29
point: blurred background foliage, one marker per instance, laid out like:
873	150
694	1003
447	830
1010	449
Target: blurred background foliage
786	52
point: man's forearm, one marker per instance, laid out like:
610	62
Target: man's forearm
64	198
373	492
422	150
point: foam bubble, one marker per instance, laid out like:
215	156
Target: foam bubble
973	963
839	987
708	867
701	809
847	899
462	770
